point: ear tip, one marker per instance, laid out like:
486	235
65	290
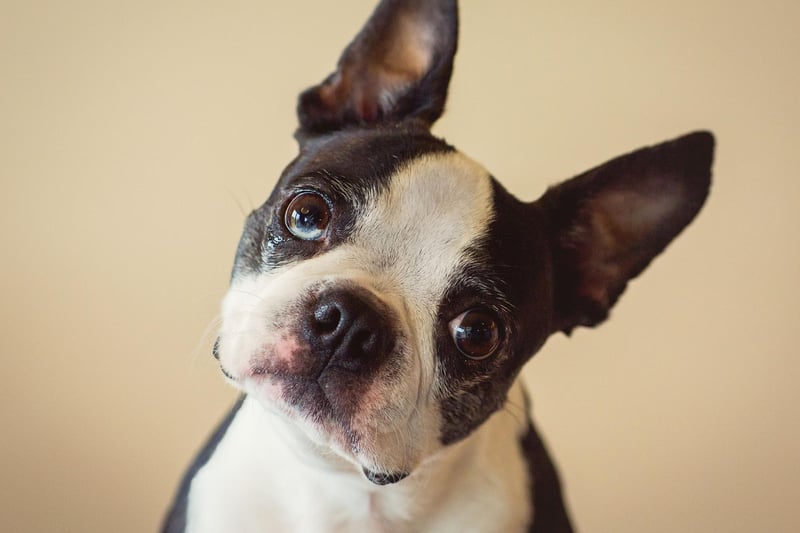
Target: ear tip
702	143
694	155
702	137
699	149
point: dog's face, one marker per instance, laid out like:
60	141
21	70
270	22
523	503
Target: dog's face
386	295
377	296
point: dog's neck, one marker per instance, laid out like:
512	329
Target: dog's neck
318	490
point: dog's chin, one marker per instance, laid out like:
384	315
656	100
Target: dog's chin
379	454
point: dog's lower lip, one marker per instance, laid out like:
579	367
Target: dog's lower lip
384	479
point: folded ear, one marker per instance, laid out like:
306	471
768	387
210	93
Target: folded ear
606	225
397	67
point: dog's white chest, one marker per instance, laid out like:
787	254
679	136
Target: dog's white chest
254	482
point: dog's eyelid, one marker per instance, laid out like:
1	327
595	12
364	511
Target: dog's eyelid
479	292
324	177
334	190
297	191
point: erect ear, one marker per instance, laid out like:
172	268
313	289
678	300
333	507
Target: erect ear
606	225
397	67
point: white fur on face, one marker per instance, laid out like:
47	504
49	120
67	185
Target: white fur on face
410	242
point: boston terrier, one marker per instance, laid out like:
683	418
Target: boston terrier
387	294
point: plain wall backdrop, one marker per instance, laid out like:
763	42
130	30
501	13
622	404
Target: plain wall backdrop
134	136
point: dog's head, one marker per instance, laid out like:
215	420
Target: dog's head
388	292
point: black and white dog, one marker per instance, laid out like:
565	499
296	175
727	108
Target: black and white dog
389	291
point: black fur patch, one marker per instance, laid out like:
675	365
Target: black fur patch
507	276
549	512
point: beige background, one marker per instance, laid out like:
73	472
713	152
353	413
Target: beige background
134	135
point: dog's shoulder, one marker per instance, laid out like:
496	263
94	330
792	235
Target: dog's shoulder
549	511
175	521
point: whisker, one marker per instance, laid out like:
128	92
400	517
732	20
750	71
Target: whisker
205	337
248	293
518	413
236	200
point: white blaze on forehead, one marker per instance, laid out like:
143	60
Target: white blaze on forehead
415	233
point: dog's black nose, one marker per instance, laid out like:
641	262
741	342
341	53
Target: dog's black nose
350	330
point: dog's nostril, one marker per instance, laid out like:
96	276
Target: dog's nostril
366	341
327	318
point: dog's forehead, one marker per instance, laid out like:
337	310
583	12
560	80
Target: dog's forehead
419	231
364	158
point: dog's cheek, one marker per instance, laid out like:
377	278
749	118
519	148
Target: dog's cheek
280	356
462	412
288	355
251	355
253	337
469	392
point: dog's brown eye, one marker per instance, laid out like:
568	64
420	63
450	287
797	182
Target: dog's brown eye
476	333
307	216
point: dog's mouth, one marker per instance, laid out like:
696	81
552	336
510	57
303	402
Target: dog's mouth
330	410
351	392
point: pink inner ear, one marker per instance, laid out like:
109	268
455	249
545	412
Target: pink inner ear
398	67
397	61
623	220
611	221
621	224
409	49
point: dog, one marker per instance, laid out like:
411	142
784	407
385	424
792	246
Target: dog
387	294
